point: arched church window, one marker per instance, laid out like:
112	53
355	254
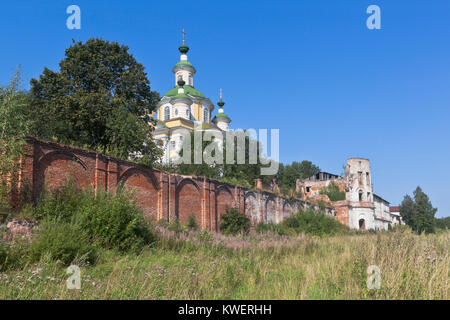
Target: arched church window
166	114
176	112
187	113
205	115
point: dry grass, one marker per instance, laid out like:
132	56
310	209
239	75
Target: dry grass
204	266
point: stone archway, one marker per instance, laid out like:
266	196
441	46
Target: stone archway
188	202
251	207
144	188
56	169
271	212
224	201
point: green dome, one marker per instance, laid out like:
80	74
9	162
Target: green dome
184	63
222	117
184	49
187	89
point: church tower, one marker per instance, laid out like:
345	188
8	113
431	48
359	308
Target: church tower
221	120
184	109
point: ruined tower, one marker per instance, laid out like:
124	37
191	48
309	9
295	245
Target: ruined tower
359	180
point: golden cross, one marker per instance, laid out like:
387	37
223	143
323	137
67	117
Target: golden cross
184	33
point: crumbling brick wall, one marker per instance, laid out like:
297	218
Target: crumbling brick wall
161	195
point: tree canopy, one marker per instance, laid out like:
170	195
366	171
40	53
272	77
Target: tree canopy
100	99
15	124
418	213
297	170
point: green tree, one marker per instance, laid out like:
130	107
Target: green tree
15	124
407	210
297	170
333	192
443	223
100	99
418	213
234	223
243	174
423	217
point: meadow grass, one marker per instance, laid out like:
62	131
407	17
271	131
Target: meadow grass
200	265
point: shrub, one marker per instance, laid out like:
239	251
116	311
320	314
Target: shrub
175	226
192	224
315	223
62	241
113	221
333	192
60	204
292	222
13	254
234	223
271	227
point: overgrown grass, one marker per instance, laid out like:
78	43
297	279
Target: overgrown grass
252	267
75	225
305	257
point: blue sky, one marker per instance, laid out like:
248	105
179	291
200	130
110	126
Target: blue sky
334	88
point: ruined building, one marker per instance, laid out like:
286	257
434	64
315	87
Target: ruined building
361	209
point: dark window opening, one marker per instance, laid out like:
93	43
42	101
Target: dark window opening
362	224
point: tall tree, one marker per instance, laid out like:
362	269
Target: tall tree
297	170
15	124
243	174
423	217
100	99
418	213
407	210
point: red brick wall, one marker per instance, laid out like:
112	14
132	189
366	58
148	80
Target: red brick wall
161	195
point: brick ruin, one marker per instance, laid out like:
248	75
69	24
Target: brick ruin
161	195
362	208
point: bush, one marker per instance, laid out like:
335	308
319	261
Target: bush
60	204
113	221
62	241
234	223
333	192
192	224
271	227
315	223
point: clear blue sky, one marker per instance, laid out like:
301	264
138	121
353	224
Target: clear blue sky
310	68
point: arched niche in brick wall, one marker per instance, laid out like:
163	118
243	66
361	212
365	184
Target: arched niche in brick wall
224	201
288	209
251	207
188	201
143	186
57	168
270	212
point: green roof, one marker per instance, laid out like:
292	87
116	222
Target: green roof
184	63
187	89
181	95
222	116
